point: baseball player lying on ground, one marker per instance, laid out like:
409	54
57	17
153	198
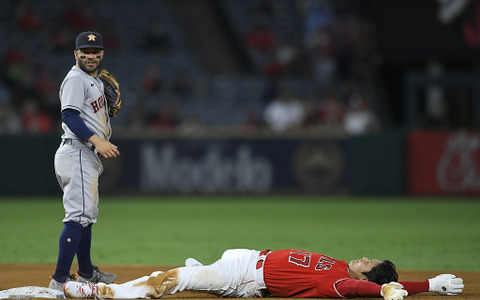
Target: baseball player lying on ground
281	273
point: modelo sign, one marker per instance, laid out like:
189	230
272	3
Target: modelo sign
444	163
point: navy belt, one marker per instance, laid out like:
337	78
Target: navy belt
70	142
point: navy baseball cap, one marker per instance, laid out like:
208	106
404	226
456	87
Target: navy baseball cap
89	39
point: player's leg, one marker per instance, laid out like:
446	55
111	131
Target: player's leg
158	284
142	287
91	170
229	277
66	170
67	247
85	266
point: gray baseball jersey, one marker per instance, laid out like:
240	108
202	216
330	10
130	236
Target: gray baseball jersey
77	167
84	93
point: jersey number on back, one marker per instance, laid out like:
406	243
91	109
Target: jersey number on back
303	259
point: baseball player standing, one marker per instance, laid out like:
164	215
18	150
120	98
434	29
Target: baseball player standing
87	130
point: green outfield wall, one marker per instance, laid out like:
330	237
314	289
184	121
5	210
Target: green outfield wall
378	163
26	164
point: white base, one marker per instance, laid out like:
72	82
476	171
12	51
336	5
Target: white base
28	292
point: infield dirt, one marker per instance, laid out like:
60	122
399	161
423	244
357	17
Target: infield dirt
13	275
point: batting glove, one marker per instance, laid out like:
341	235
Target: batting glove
446	284
393	291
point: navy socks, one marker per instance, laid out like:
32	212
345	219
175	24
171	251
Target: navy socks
67	248
85	267
74	239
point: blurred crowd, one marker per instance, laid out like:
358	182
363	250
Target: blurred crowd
336	54
30	78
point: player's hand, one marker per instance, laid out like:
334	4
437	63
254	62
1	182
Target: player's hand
393	291
108	150
105	148
446	284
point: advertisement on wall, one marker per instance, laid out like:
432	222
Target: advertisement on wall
238	166
444	163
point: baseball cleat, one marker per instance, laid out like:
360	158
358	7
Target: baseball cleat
74	289
57	285
98	276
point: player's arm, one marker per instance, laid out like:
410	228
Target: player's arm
445	284
72	118
351	288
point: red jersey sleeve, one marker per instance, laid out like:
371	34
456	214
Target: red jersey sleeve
357	288
415	287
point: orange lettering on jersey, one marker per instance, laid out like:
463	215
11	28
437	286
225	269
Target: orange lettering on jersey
94	105
101	101
98	104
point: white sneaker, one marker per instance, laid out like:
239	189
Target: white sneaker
192	262
74	289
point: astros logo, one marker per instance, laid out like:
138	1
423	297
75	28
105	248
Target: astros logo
92	37
98	104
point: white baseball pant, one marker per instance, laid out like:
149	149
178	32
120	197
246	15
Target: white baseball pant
235	274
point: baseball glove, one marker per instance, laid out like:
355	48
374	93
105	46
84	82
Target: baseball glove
110	86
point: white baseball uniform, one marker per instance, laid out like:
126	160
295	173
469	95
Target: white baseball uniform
233	275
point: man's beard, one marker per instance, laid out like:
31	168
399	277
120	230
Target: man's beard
83	65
